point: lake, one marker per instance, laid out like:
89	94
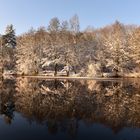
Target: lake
41	109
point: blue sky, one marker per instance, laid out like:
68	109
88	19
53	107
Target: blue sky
24	14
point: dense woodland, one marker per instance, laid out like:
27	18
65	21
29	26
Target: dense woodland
62	47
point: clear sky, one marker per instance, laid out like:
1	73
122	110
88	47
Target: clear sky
24	14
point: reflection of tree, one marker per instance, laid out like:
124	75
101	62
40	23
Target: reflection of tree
52	126
61	104
119	104
7	106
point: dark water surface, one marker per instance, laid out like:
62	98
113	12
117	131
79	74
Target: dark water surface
40	109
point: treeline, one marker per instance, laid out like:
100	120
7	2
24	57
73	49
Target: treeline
62	47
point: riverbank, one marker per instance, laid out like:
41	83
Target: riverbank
104	77
80	78
68	78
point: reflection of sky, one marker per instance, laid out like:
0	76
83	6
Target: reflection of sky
22	129
100	132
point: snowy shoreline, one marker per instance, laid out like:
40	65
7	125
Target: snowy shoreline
72	77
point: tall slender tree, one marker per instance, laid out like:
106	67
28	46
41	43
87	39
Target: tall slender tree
8	48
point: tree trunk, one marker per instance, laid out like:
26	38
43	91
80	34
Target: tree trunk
55	69
115	71
2	70
68	69
67	73
74	69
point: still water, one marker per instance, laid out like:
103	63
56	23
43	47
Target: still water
42	109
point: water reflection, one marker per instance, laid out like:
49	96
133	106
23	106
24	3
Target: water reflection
72	108
7	102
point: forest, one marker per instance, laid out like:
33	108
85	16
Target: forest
63	49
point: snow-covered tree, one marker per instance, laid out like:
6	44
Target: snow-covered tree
134	44
10	37
8	48
28	58
116	44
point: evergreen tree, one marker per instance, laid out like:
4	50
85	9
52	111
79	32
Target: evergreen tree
8	48
10	37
